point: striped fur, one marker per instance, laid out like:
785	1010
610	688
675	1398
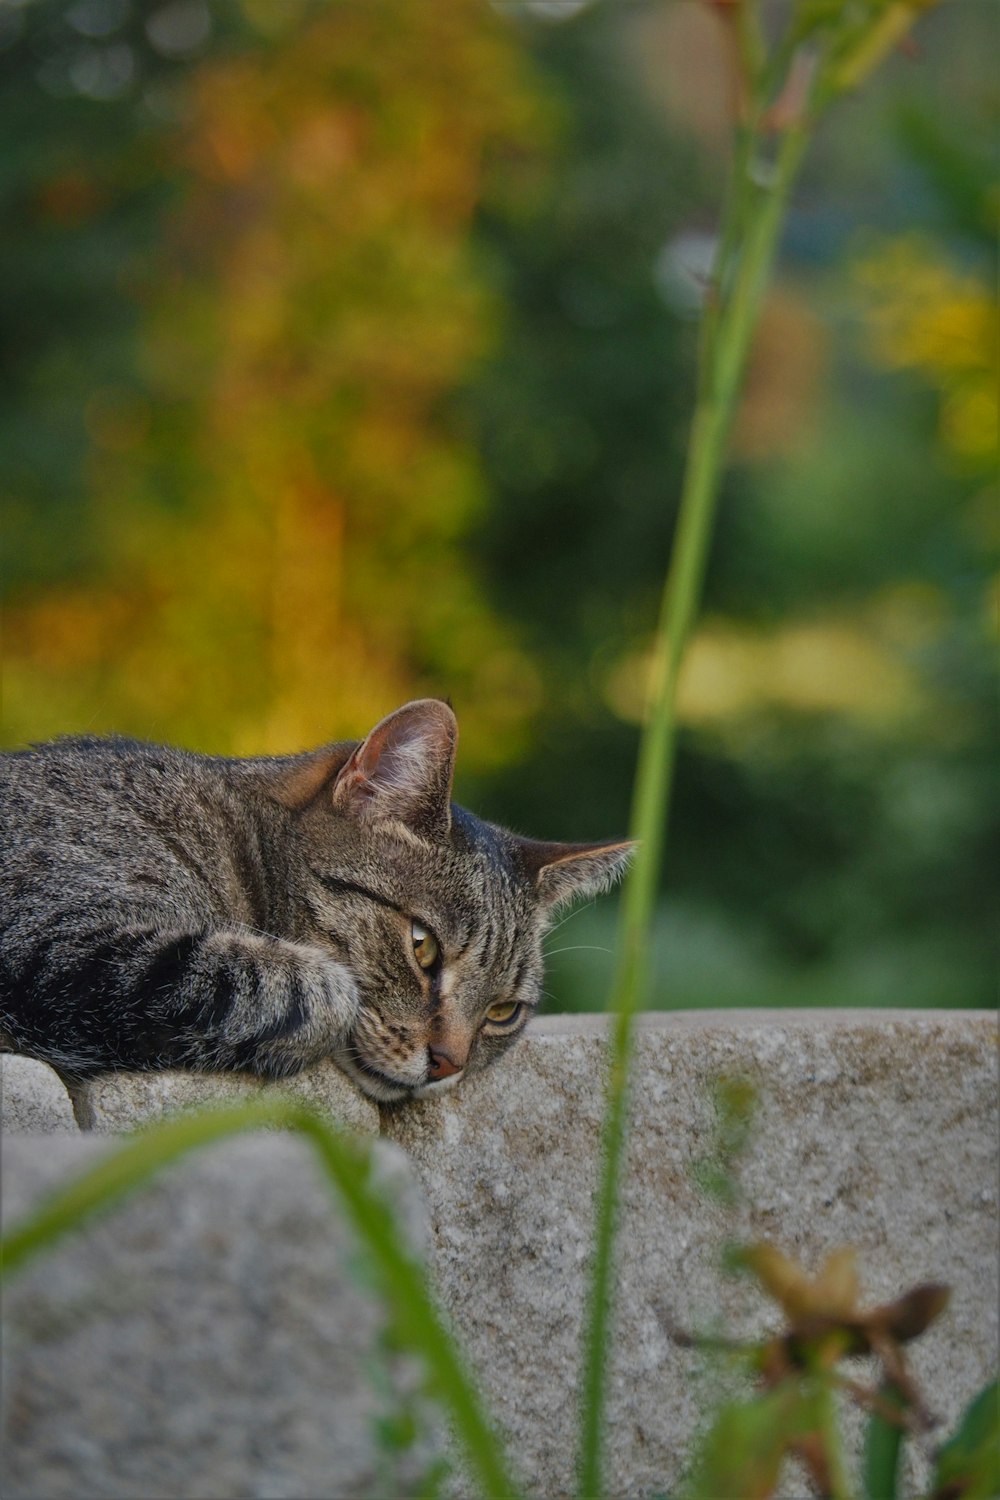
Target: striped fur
164	909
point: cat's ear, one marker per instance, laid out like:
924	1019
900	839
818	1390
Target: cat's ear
565	872
403	770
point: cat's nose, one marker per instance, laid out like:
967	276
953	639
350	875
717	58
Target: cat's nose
440	1064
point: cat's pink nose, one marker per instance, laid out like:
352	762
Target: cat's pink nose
440	1065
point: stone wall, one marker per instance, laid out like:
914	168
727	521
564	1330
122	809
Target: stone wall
212	1338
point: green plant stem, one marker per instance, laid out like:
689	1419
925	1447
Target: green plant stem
883	1445
751	49
762	211
751	226
401	1278
832	1446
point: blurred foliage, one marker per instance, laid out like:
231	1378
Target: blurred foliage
929	317
272	503
793	1414
835	833
348	354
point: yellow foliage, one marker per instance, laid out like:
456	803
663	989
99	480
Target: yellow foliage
928	317
826	665
832	1293
284	512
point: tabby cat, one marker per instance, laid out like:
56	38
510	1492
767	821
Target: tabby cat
160	909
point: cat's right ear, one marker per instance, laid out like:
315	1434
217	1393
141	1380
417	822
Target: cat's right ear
567	872
403	770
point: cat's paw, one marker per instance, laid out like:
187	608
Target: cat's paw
332	990
323	1008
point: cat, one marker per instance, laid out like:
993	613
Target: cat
162	909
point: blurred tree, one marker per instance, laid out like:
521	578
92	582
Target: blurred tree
273	499
579	414
82	184
835	794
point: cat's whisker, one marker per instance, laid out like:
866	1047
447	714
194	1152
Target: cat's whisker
578	948
252	931
576	912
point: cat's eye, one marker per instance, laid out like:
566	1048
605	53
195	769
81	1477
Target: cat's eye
425	946
503	1013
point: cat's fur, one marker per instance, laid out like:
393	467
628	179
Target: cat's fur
164	909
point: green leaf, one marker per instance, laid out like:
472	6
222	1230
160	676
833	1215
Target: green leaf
883	1440
743	1450
968	1465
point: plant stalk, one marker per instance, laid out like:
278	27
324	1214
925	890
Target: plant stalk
839	1488
762	210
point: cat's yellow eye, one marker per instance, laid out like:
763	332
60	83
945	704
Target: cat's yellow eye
503	1012
425	946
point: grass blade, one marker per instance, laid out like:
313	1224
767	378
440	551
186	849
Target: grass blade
883	1442
719	386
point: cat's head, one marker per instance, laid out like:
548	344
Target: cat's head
438	914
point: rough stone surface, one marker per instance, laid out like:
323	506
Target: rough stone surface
212	1337
32	1096
206	1340
121	1101
877	1129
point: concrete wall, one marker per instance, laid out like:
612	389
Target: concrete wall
210	1339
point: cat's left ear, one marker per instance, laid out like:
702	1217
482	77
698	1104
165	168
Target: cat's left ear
403	770
565	872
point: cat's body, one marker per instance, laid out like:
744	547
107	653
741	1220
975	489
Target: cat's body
165	909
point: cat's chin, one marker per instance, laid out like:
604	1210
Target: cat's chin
391	1090
375	1084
